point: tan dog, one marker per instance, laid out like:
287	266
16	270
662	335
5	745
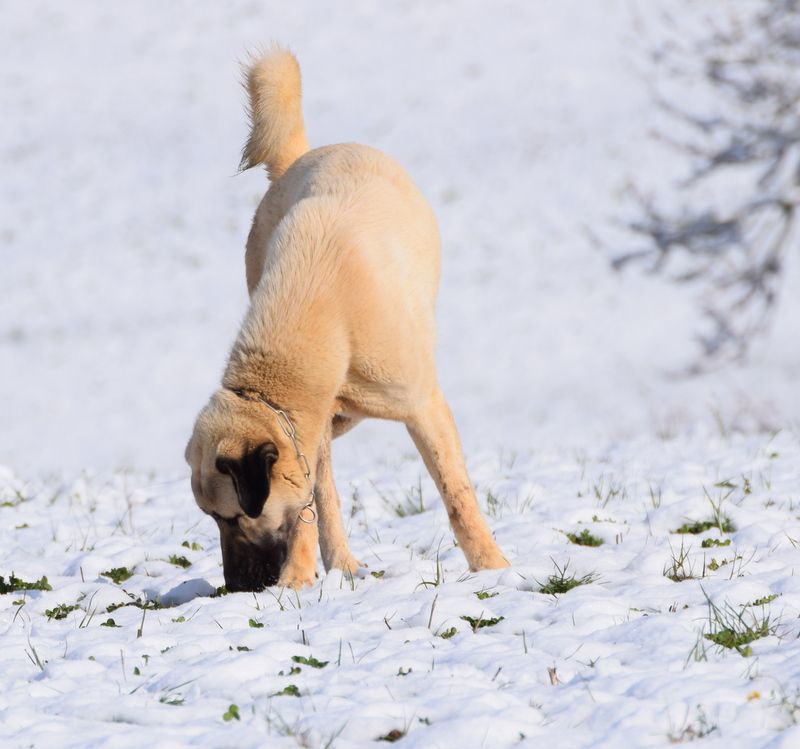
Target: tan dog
342	269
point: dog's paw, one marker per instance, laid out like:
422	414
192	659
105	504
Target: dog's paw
296	578
489	559
347	563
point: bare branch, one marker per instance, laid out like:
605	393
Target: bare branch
733	256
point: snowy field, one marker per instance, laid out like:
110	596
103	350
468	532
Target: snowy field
122	230
417	647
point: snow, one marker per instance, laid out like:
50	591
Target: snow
629	657
121	236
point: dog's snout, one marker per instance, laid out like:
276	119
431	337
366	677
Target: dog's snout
249	566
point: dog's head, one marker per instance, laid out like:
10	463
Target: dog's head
245	474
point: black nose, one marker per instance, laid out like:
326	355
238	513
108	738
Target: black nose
248	585
252	573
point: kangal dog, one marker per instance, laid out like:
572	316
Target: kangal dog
342	268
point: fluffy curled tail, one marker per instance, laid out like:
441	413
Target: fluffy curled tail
277	133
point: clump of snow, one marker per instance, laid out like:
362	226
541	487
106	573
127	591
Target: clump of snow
187	591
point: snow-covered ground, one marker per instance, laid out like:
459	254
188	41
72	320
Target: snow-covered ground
629	659
122	229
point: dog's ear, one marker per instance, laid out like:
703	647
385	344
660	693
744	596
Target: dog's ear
250	475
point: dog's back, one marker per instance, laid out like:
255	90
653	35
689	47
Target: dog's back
342	227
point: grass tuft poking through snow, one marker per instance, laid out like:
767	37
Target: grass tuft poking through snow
118	574
585	538
681	567
309	661
179	561
735	630
232	713
562	582
709	543
701	526
60	611
479	622
15	584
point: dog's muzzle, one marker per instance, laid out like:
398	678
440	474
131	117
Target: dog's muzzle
249	566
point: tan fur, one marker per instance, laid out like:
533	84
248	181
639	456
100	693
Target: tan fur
277	135
342	268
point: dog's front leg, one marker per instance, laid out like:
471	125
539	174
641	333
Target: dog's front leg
333	542
300	569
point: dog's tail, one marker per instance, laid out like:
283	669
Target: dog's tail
277	133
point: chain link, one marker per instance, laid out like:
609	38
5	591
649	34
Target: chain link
289	429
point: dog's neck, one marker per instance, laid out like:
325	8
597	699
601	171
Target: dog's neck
283	384
294	357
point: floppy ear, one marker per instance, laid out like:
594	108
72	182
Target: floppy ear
250	476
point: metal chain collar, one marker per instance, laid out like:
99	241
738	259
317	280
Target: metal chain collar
288	427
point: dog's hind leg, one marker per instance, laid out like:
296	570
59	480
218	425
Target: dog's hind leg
333	542
434	433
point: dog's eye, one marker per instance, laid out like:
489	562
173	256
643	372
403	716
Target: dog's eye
234	521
